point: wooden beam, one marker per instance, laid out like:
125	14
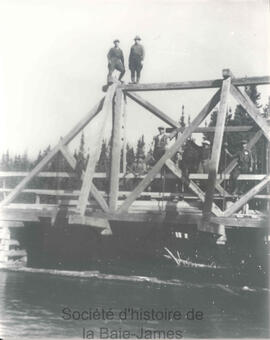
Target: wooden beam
215	156
245	198
69	158
252	110
201	84
157	112
170	152
11	224
52	153
124	127
115	150
196	176
96	194
96	222
83	122
195	188
244	128
90	169
40	174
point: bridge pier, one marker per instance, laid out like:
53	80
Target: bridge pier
11	252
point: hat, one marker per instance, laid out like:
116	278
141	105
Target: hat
161	128
244	141
206	142
137	38
116	40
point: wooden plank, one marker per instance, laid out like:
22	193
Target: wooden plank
153	109
11	224
197	176
69	158
252	110
170	164
115	150
33	215
207	129
170	152
83	122
201	84
182	218
90	169
52	153
215	156
96	194
6	174
96	222
245	198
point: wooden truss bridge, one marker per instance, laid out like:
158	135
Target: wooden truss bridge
96	208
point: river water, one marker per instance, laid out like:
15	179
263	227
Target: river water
32	303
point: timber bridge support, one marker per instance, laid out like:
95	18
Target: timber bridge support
94	207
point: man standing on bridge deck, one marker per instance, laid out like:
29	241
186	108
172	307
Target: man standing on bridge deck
160	143
136	58
205	155
115	61
244	166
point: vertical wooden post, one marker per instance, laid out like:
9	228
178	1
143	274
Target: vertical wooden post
215	155
91	165
125	134
115	151
268	155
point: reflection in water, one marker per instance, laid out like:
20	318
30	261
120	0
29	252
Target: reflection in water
32	304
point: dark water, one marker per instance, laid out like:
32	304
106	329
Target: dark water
32	302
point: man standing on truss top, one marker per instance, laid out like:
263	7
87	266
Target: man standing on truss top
136	58
115	61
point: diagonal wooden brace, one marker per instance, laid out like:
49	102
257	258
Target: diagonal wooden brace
36	170
170	164
233	163
251	109
96	194
170	152
157	112
246	197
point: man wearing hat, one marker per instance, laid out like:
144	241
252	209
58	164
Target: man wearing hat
244	166
160	143
136	58
115	61
205	154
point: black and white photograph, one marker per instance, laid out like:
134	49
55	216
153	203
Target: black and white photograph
134	169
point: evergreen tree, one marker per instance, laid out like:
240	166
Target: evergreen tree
182	118
103	162
140	150
130	155
25	163
17	163
81	159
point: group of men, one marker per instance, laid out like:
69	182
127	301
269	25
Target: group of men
160	144
116	60
185	160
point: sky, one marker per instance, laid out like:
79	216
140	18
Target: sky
53	60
